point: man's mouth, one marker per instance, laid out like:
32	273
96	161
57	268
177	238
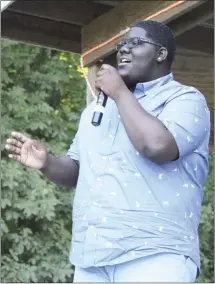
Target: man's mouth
124	61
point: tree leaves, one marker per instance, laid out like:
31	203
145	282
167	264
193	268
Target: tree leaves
206	229
36	214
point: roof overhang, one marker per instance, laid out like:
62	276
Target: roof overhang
92	27
5	4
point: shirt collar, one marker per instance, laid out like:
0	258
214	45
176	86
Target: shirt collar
142	89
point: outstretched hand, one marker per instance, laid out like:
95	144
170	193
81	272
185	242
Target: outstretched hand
30	153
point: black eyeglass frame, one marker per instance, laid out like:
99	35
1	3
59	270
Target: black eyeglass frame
139	41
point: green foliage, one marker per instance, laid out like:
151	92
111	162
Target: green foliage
206	229
43	95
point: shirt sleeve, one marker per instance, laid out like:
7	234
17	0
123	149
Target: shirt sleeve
187	117
73	151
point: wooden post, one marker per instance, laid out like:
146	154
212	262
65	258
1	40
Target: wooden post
92	71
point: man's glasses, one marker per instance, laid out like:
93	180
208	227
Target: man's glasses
133	42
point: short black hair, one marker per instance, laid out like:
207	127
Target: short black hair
161	34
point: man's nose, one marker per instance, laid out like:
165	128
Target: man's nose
124	49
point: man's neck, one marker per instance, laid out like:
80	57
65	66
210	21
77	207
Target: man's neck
157	75
151	78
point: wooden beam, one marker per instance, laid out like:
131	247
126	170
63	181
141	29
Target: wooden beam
46	33
192	18
207	26
110	3
122	16
74	12
211	21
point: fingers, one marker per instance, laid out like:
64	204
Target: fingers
14	146
14	142
19	136
15	157
105	67
13	149
98	84
101	72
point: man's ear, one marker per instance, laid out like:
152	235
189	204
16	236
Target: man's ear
162	55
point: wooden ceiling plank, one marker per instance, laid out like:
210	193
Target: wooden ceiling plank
191	19
74	12
34	30
207	26
211	21
110	3
42	40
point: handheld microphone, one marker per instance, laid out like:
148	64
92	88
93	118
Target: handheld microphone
99	109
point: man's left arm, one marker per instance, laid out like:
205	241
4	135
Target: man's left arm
179	129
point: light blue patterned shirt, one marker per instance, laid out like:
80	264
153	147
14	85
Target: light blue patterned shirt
127	206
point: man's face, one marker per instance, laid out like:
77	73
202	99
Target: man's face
143	59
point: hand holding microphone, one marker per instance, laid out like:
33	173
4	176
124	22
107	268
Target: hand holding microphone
111	85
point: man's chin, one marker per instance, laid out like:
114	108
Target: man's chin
123	73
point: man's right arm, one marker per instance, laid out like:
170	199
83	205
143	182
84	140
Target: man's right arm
33	154
61	170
